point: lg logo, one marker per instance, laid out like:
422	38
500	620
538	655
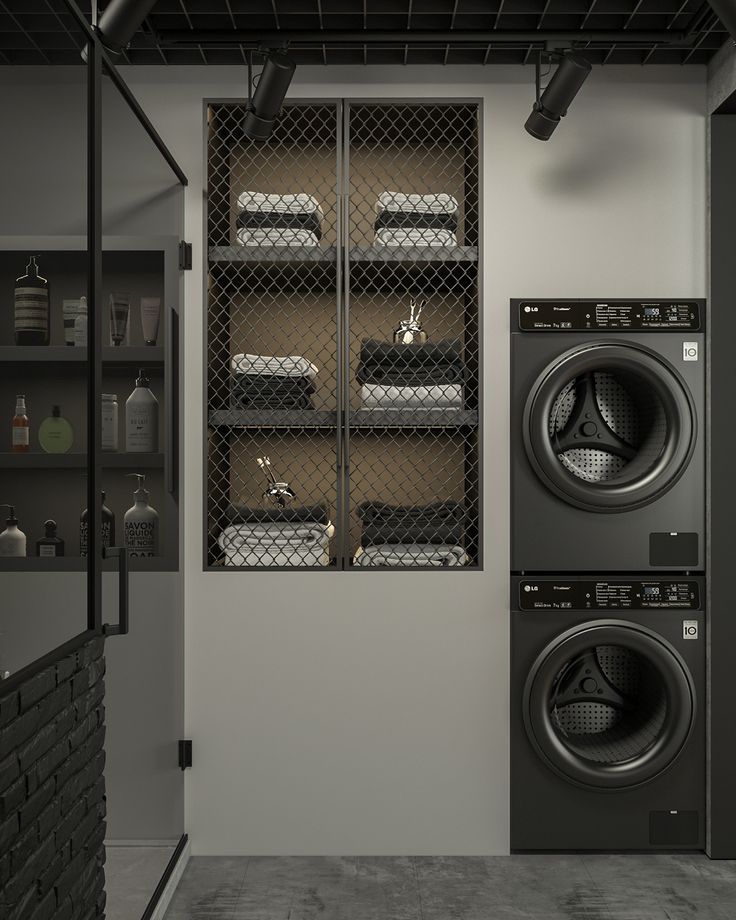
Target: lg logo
689	351
689	629
531	588
531	309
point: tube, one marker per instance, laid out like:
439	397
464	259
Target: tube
119	314
150	318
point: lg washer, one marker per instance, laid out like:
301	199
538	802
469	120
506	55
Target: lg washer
607	437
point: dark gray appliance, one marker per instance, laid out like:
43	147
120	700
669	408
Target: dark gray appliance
607	444
607	713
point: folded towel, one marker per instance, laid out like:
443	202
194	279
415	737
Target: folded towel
373	511
261	391
275	220
443	396
440	374
291	366
411	554
286	237
415	238
310	514
445	351
434	532
389	220
270	545
425	204
285	204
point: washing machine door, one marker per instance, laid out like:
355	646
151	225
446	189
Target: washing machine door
609	426
609	704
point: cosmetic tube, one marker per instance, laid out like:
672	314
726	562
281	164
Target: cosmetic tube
150	317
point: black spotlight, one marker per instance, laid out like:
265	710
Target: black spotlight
726	12
273	85
119	23
554	102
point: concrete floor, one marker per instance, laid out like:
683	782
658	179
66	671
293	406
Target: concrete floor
131	876
645	887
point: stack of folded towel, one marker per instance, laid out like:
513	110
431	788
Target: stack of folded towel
415	220
279	220
411	535
265	382
277	536
428	376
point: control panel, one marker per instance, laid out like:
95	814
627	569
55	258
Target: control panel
606	315
536	594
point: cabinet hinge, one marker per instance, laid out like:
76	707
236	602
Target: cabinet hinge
185	256
185	754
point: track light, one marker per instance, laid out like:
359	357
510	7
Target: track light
726	12
119	23
554	102
264	107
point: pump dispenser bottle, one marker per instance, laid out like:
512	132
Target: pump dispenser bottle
141	418
141	523
12	540
31	307
107	532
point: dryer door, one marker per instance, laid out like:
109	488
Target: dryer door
609	704
609	426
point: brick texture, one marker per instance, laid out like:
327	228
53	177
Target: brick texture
52	792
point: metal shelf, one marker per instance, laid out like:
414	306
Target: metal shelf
413	418
41	357
78	564
274	418
76	461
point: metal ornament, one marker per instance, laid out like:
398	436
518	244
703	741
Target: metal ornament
279	493
410	331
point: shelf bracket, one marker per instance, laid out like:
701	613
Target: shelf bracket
185	256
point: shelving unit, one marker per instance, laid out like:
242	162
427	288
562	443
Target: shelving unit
321	302
44	485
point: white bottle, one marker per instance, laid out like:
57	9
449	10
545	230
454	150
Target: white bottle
109	421
141	418
12	540
80	325
141	524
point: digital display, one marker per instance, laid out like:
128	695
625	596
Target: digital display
651	311
651	589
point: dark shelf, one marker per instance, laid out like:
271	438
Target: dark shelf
249	254
431	254
76	461
413	418
77	564
274	418
39	358
368	253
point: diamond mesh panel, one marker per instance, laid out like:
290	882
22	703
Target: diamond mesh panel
314	263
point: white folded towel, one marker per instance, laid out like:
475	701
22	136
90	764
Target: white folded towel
277	237
283	204
411	554
419	204
278	543
414	237
438	396
291	366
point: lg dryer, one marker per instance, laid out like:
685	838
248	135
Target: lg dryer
607	435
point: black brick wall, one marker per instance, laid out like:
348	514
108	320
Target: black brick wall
52	792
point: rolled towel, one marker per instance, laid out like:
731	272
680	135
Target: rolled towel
415	238
411	554
439	397
263	545
440	203
290	366
301	203
274	238
275	220
303	514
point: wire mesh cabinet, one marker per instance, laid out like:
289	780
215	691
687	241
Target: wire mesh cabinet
342	354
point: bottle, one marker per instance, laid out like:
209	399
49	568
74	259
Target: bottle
141	523
12	540
55	434
80	325
31	307
107	530
50	544
21	439
109	421
141	418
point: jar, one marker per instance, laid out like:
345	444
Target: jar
109	421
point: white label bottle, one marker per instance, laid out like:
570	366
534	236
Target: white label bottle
141	524
141	418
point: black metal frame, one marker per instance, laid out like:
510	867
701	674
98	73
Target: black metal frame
98	62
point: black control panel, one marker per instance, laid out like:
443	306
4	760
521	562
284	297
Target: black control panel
535	594
605	315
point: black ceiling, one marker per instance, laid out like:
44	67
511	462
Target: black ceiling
43	32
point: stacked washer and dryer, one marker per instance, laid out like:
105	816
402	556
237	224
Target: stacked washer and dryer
608	671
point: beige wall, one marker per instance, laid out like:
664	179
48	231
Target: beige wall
368	713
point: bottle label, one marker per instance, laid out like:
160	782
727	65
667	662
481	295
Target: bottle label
140	538
141	430
31	309
47	550
21	437
109	426
105	533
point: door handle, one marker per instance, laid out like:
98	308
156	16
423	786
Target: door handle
121	554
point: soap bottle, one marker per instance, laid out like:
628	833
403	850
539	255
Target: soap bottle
107	531
141	523
12	540
141	418
50	544
31	307
80	325
55	434
21	437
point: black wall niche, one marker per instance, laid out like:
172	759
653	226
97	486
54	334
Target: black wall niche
52	791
